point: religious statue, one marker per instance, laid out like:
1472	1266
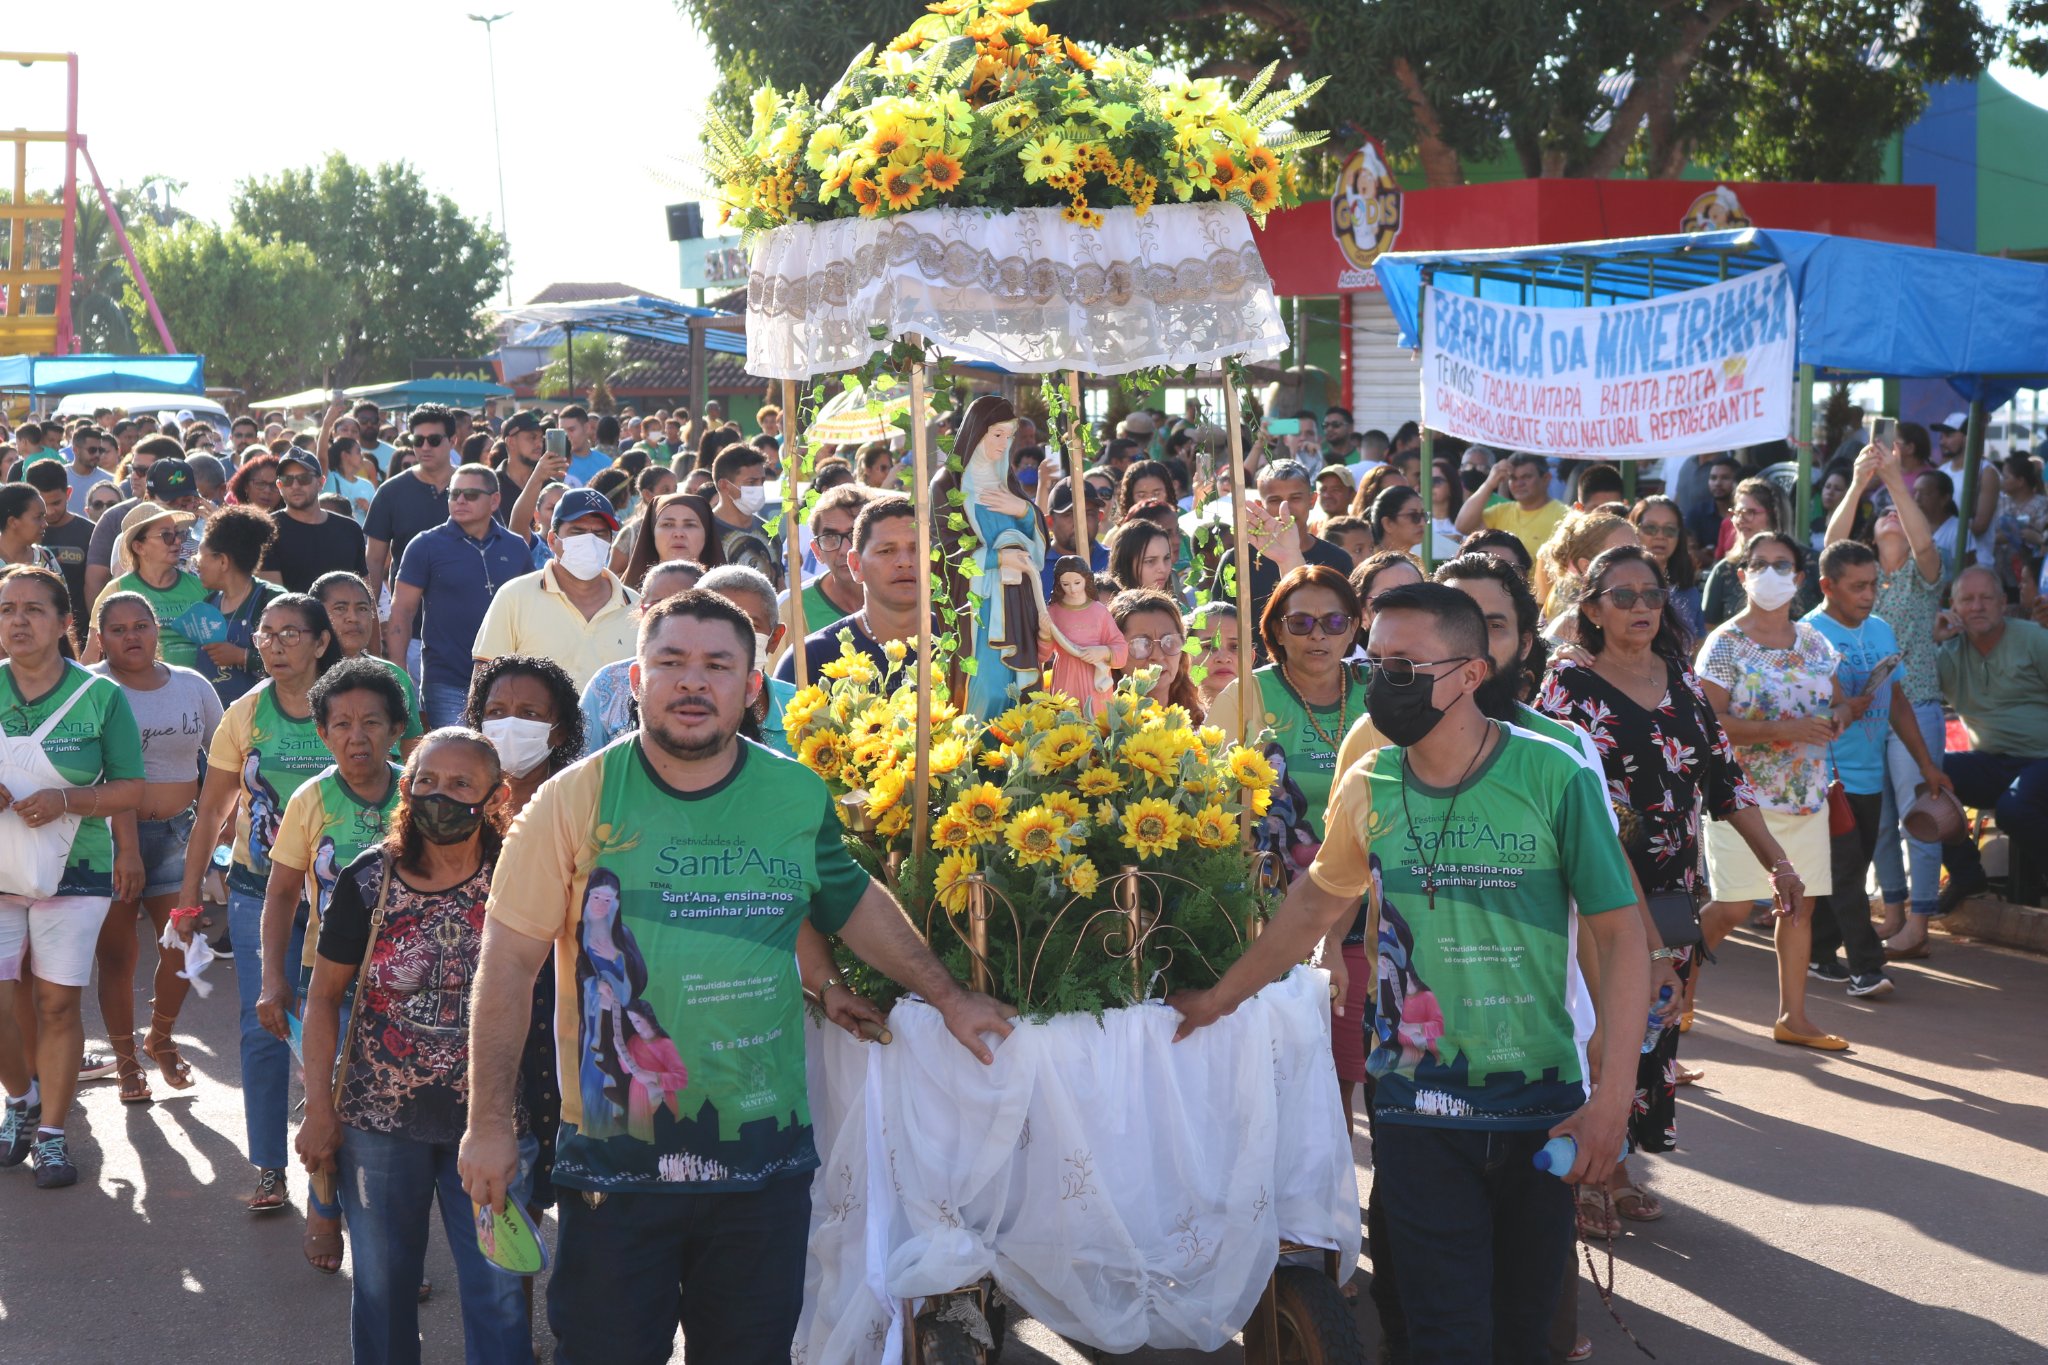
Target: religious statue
1002	569
1079	637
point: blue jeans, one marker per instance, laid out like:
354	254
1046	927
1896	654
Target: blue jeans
2015	789
442	704
266	1061
389	1186
727	1268
1922	858
1483	1240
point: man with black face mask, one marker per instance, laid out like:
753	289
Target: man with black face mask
1483	837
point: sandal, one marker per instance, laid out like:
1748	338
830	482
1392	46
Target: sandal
1687	1075
270	1194
1685	1020
1636	1204
322	1241
160	1047
1595	1217
1582	1349
134	1083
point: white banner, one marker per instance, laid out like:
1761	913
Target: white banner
1709	369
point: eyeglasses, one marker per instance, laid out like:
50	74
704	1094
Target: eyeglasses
294	480
1401	672
465	494
1412	517
1302	623
434	441
285	635
167	537
831	542
1629	598
1652	530
1141	646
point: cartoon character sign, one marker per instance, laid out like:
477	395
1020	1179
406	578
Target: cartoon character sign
1714	211
1365	208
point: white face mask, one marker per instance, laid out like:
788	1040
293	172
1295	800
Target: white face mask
760	651
1769	589
752	500
522	744
584	555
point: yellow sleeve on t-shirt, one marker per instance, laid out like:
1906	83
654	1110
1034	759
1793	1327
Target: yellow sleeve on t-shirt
298	833
535	881
232	738
1343	866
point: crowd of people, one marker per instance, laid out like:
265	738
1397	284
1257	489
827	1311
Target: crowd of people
285	700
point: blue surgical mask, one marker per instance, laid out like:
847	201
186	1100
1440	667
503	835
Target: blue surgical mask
1028	476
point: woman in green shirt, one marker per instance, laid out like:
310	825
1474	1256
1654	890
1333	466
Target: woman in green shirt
154	535
84	765
354	618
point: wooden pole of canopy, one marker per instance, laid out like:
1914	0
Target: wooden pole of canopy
1973	455
1077	452
921	465
792	522
1242	550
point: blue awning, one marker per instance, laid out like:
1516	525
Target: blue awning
1865	308
57	375
637	315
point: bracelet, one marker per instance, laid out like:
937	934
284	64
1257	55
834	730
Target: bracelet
1664	955
188	912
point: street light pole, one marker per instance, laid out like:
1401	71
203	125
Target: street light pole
498	141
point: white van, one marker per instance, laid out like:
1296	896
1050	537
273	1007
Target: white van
198	405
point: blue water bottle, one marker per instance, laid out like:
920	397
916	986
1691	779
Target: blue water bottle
1556	1156
1656	1028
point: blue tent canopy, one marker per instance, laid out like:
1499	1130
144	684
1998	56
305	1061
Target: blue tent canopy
58	375
1865	308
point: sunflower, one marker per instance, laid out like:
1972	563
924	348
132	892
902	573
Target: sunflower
951	832
950	886
1098	782
1262	189
1151	827
1067	806
895	651
982	807
825	144
803	708
947	755
885	789
995	759
852	665
1010	9
1151	753
1250	768
1047	156
901	187
1223	171
889	134
1014	120
1260	161
1262	801
941	172
1211	735
1034	836
893	822
1212	828
1078	55
1080	875
1061	747
823	753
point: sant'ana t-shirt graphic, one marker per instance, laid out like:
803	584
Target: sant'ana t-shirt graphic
679	1009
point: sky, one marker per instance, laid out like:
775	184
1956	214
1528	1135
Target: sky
599	101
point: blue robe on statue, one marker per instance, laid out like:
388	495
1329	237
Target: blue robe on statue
1006	623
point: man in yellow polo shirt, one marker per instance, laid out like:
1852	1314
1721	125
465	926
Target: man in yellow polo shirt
574	611
1530	515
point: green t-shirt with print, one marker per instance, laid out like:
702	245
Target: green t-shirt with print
1482	1013
96	741
1309	738
326	827
681	1009
173	646
414	726
272	754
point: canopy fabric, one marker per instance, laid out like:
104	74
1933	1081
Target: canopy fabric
846	418
1865	307
58	375
403	393
636	315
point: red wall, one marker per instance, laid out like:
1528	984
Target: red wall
1302	255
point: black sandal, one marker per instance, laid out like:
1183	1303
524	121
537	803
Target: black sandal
270	1191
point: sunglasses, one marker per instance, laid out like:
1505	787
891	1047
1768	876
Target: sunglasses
465	494
1141	646
1401	672
294	480
1652	530
434	441
1629	598
1303	623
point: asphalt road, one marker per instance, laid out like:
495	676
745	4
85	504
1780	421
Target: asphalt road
1883	1205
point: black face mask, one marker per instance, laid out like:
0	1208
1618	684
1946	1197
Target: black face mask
1405	715
444	820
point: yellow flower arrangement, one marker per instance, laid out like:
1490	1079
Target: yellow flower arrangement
1250	768
978	106
1034	836
1079	876
950	886
1061	748
1099	782
1151	827
1213	828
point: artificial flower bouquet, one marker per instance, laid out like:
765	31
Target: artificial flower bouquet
1105	853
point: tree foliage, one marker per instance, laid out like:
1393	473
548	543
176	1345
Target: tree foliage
601	362
1778	89
261	312
415	273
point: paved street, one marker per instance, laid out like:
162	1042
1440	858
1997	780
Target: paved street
1886	1205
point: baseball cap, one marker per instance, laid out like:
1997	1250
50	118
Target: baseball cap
303	459
1063	497
171	478
520	421
584	502
1955	421
1338	471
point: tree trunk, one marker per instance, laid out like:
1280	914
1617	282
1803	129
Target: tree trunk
1441	165
1667	74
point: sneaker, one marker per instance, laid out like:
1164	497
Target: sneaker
53	1163
95	1066
1960	889
224	948
18	1131
1870	984
1831	970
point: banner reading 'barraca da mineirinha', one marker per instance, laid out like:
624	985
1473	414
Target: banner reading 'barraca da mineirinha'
1708	369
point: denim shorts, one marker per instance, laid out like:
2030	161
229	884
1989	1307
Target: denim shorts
163	844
